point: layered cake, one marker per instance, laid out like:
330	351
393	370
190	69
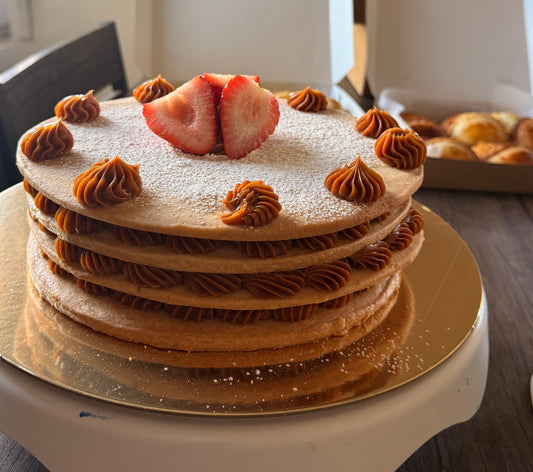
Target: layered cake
219	221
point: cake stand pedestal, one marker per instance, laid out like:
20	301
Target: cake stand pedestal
67	431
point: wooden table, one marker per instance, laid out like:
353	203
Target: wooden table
499	231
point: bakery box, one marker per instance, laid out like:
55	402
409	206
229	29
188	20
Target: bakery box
466	175
423	57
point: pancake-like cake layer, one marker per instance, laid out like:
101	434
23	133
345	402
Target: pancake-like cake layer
182	193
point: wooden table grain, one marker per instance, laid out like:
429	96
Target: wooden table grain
498	228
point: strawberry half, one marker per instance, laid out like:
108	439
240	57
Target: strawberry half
219	81
248	116
186	117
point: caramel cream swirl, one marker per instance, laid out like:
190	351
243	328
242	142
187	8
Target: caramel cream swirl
239	316
138	303
107	182
78	108
56	269
376	257
92	288
138	237
356	182
308	100
329	276
153	277
355	232
374	122
251	204
317	243
187	245
66	251
294	314
71	222
264	249
400	237
151	89
211	284
191	313
401	148
45	205
415	220
28	188
274	284
47	142
99	264
43	228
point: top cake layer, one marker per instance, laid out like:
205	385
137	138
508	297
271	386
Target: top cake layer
182	193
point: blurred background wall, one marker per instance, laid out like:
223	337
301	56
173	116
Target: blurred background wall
459	44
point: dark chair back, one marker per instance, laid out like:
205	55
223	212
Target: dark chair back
30	89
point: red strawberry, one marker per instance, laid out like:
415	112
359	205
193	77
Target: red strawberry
186	117
248	116
219	81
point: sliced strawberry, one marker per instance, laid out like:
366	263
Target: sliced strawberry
186	117
219	81
248	116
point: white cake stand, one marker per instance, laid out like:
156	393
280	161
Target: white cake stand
88	428
66	431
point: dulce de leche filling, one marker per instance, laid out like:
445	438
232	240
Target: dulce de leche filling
356	182
251	204
78	108
75	223
374	122
107	182
308	100
190	313
152	89
330	276
401	148
47	142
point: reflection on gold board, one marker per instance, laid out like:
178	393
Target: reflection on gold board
436	309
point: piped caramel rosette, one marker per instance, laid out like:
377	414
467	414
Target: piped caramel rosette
107	182
152	89
308	100
251	204
47	142
374	122
78	108
356	181
401	148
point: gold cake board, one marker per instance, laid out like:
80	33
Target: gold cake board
437	310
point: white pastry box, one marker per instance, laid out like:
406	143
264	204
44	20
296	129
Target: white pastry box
440	58
288	44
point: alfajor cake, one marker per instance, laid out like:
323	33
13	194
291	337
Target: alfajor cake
217	218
